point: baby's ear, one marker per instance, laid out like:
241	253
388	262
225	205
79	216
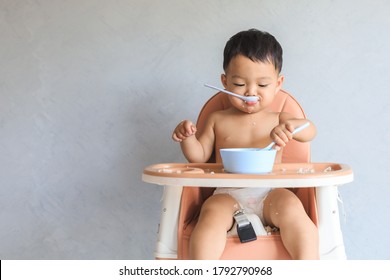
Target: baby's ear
223	80
279	82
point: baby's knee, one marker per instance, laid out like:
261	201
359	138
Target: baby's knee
220	203
219	208
282	205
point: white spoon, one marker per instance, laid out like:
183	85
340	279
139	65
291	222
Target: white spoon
298	129
245	98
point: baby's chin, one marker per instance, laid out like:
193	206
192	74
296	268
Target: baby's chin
249	109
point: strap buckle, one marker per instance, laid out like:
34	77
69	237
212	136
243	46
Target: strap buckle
245	230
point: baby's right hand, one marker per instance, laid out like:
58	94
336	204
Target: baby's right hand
183	130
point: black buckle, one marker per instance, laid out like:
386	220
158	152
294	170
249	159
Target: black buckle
245	230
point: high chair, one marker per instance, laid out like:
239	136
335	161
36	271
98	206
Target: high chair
188	185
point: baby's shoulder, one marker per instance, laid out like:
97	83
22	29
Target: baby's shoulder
217	117
220	114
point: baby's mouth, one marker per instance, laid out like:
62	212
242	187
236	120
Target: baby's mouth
251	103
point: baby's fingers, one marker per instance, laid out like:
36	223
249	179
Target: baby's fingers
189	128
282	137
178	137
179	134
279	141
183	130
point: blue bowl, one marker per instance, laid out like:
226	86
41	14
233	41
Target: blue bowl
248	160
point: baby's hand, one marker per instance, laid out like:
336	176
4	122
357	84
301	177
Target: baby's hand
282	134
183	130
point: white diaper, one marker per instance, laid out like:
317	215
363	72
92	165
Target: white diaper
251	200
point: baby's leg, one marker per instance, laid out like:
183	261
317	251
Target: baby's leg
209	236
283	209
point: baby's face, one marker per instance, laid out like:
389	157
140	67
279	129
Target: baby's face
251	78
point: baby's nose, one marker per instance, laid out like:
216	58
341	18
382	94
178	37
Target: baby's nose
251	91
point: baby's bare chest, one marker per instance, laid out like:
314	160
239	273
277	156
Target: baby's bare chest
243	134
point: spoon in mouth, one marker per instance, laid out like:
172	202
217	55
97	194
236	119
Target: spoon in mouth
298	129
249	99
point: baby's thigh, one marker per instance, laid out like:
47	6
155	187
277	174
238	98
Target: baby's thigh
282	204
218	210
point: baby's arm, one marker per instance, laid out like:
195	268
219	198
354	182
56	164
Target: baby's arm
282	133
194	149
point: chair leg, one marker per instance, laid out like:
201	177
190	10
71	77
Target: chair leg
331	238
166	247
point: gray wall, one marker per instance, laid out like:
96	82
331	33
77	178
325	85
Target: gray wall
91	90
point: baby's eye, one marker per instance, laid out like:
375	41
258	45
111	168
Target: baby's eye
263	85
239	85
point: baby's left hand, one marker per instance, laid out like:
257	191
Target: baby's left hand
282	134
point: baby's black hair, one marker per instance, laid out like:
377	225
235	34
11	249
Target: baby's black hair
256	45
